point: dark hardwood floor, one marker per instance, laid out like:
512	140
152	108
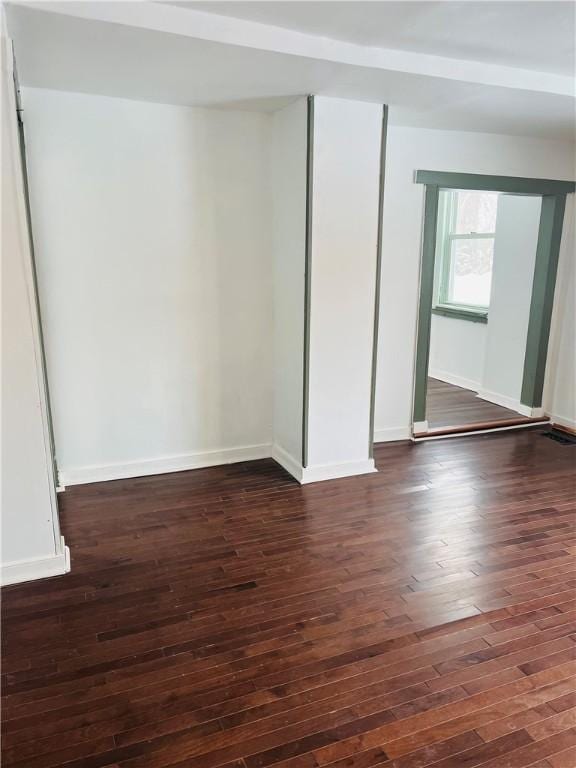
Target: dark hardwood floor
451	406
421	616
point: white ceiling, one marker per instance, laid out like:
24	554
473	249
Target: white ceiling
533	35
180	55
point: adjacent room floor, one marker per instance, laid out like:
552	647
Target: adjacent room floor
423	615
451	406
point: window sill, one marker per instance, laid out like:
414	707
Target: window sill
460	313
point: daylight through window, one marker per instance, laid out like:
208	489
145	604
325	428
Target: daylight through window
466	232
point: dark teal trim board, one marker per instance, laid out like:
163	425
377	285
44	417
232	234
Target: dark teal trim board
543	284
307	274
516	185
383	139
425	305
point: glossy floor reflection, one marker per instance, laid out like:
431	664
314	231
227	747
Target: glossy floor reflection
451	406
420	616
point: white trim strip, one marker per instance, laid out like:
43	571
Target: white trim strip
96	474
287	462
39	568
392	434
505	402
562	421
314	474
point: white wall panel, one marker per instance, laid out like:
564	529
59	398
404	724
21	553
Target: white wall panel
31	542
153	242
457	351
347	138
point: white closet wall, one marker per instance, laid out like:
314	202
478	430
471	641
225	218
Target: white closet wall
31	543
153	237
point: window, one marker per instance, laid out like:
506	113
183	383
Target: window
465	251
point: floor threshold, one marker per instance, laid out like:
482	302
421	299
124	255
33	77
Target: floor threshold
476	429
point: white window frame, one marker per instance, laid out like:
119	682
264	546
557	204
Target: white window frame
447	212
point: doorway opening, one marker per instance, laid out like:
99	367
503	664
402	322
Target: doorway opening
489	260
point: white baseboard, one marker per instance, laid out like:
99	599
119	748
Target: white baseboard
391	434
315	474
451	378
96	474
39	568
419	426
562	421
509	402
287	461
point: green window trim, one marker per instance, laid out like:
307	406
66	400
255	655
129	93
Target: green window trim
459	312
515	185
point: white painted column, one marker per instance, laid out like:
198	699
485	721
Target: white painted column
344	242
326	179
32	547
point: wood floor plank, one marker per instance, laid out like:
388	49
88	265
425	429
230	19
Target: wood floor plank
229	618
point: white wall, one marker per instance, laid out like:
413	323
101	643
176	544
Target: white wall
31	543
288	166
517	225
344	244
154	230
153	237
560	385
410	149
457	351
